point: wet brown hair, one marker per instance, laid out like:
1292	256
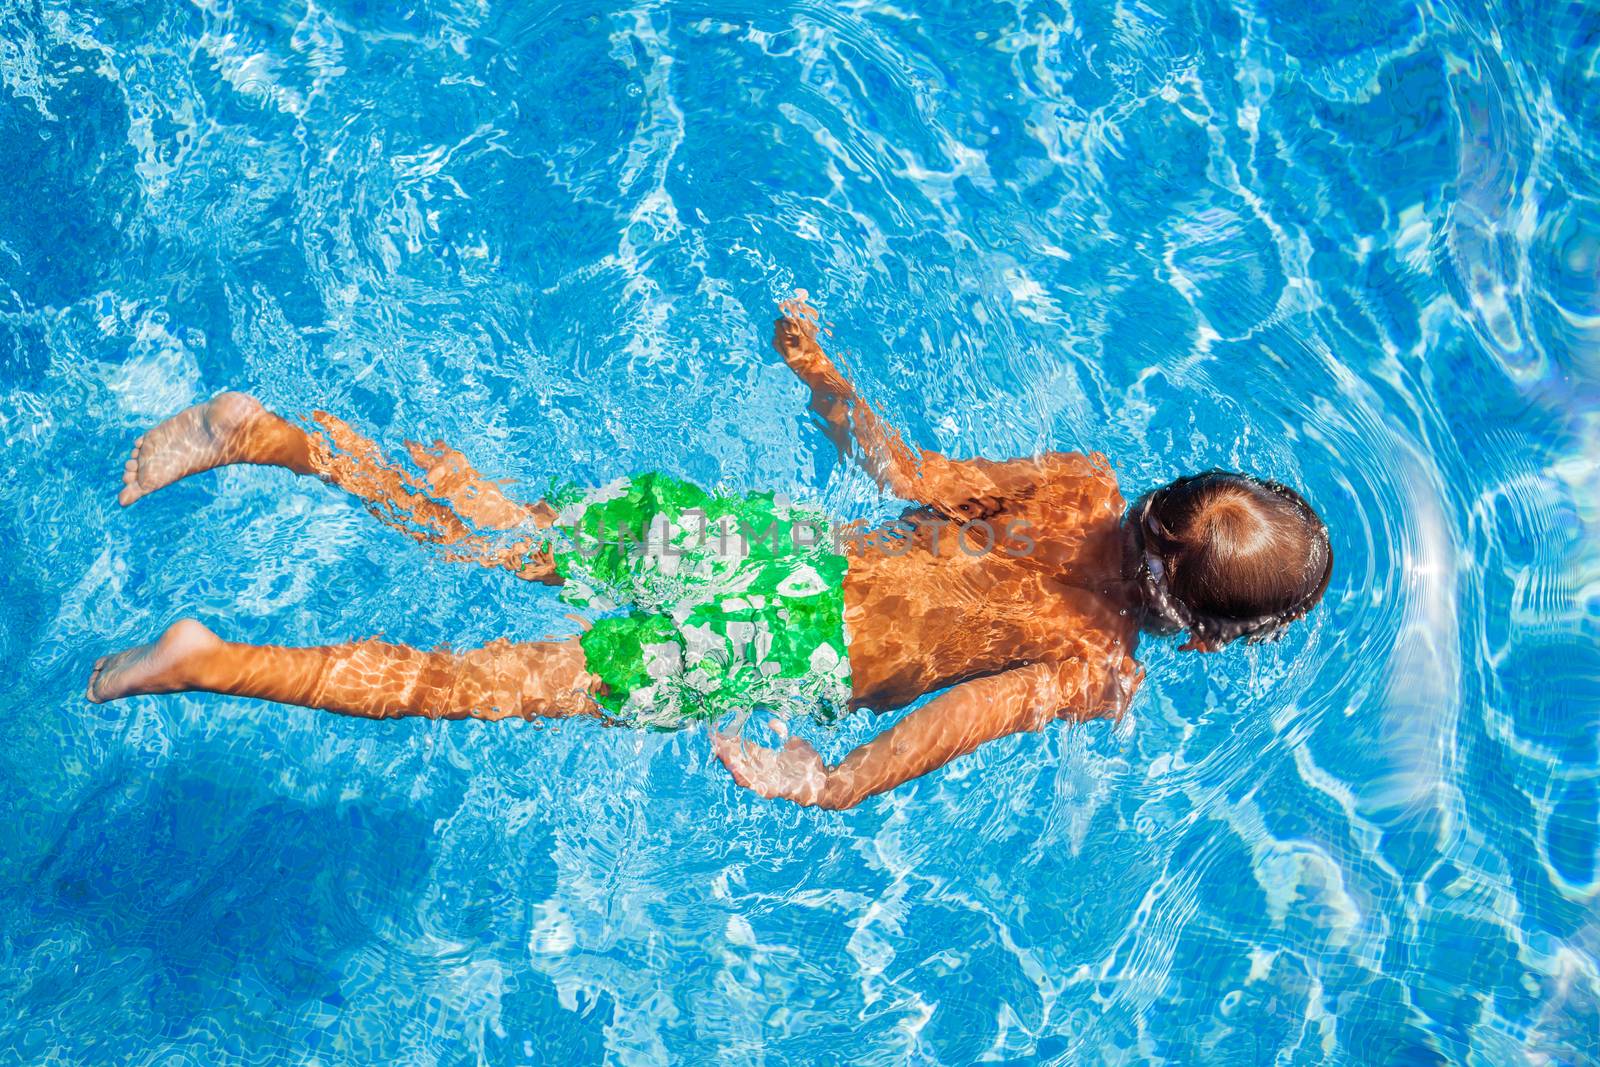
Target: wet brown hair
1225	556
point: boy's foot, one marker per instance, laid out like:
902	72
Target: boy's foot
160	667
196	439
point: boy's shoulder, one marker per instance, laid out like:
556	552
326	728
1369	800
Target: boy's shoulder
1079	464
1070	485
1045	467
1098	652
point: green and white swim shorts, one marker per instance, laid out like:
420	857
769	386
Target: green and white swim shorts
733	601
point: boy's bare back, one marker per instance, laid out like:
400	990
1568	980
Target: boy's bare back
1024	570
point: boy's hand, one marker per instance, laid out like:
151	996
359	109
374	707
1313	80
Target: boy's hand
795	338
794	772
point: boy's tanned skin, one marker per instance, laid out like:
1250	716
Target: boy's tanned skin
1003	588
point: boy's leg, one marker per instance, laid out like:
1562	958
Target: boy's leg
367	678
235	428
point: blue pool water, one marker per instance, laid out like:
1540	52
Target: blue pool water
1353	245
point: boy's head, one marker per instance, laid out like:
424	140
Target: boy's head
1225	556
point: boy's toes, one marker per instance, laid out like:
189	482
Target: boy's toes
130	477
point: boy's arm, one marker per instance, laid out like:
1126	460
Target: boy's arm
950	725
909	473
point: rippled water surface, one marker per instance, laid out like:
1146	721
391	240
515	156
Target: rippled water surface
1353	245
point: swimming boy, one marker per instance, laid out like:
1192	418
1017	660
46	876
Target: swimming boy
1016	588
